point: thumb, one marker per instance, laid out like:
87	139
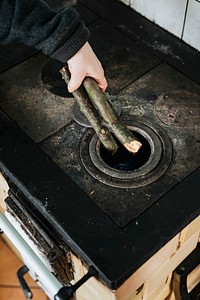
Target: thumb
74	82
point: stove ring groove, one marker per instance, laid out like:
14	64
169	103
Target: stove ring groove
156	165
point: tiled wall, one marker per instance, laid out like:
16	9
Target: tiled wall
191	33
180	17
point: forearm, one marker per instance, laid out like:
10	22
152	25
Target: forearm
35	24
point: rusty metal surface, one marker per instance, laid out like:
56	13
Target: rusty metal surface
57	260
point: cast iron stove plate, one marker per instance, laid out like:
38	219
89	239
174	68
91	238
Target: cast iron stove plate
147	100
73	218
125	204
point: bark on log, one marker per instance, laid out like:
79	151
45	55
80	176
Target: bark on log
93	117
107	112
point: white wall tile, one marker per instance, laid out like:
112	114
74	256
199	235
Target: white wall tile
127	2
169	14
191	33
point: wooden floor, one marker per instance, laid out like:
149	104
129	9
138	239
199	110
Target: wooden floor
9	285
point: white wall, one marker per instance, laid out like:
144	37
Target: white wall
127	2
191	33
170	15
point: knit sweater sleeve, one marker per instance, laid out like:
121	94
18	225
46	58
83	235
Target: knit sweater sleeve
32	22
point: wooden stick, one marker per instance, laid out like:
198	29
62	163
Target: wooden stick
89	111
107	112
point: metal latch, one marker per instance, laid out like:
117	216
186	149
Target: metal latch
25	288
180	277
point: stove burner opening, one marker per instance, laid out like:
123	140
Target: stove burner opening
124	160
125	170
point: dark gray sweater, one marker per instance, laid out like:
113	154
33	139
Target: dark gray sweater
32	22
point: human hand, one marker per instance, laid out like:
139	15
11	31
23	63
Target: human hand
85	63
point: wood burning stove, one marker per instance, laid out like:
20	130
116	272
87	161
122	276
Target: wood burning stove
125	223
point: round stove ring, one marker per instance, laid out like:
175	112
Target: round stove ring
156	160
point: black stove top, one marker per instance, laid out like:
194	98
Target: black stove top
55	165
147	105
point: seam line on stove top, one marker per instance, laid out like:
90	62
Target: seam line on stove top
149	70
54	133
